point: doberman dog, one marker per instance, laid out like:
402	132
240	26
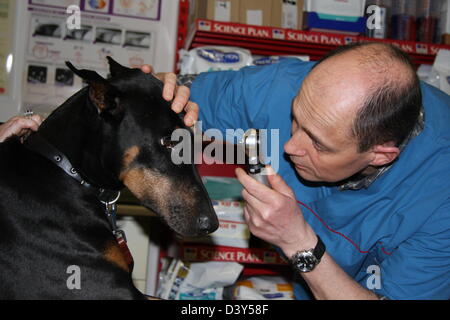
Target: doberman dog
55	186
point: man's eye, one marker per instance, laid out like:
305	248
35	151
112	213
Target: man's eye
168	143
318	146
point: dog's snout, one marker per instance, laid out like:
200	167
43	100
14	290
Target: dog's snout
207	224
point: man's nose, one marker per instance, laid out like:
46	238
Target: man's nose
294	147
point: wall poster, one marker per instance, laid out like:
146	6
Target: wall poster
127	30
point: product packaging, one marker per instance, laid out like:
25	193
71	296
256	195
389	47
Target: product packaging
213	58
404	20
262	288
180	280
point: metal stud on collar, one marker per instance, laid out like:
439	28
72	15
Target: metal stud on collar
107	203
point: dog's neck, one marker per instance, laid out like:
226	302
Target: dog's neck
76	130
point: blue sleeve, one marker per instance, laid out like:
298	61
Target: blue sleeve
242	99
420	267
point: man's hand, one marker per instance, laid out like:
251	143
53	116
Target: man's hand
19	126
273	215
179	95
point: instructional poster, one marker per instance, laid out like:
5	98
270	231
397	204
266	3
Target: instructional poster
121	29
6	54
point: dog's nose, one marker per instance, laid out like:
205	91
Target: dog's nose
207	224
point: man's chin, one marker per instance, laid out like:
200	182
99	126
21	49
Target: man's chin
306	175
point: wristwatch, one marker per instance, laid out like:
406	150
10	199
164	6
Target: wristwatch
307	260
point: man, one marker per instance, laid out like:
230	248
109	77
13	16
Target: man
370	165
368	156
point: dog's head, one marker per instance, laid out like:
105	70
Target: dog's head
137	128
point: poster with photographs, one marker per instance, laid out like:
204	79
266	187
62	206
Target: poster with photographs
56	3
47	27
99	6
84	34
137	8
6	46
108	36
126	30
136	39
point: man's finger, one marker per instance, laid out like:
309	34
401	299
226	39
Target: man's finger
146	68
254	187
278	184
24	123
251	200
170	85
192	111
250	218
37	118
181	99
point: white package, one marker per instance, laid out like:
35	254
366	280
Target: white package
213	58
233	230
259	60
196	281
337	8
263	288
440	73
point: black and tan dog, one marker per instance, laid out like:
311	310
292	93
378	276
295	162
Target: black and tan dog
111	134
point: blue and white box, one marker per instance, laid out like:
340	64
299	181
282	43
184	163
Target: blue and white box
340	15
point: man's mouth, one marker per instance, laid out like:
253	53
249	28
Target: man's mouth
299	167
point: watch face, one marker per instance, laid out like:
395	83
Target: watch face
306	261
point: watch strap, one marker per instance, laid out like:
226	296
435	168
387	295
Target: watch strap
320	249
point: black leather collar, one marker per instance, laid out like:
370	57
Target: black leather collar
36	143
41	146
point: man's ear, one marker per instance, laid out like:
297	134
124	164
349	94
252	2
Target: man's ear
384	154
116	68
101	93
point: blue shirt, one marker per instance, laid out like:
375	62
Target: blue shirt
392	237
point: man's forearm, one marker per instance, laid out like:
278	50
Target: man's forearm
329	282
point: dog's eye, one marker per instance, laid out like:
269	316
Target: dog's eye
168	143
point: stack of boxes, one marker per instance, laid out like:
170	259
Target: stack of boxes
345	15
445	22
342	16
268	13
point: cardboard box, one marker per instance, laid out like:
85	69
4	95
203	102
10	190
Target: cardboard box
446	39
256	12
445	17
223	10
288	14
197	10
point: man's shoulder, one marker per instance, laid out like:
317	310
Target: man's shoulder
436	104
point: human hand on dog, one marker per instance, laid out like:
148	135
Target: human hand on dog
19	126
179	95
273	215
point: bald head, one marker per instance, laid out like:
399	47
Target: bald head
373	88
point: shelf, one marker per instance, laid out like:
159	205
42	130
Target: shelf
278	41
198	253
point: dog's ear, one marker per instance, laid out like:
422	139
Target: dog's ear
101	93
88	75
116	68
